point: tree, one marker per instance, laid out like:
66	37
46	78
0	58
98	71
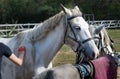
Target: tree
24	11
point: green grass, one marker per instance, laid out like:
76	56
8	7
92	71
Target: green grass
115	35
65	55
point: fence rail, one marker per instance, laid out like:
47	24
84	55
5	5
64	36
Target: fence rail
107	23
9	30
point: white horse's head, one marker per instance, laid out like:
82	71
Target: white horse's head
77	34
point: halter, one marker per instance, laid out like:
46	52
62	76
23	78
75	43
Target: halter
80	47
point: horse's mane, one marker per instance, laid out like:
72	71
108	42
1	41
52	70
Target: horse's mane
107	39
39	31
45	27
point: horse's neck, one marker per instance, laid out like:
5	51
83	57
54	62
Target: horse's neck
47	49
44	28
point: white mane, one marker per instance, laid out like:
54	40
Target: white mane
44	28
39	31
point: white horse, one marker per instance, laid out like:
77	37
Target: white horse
44	41
104	42
79	71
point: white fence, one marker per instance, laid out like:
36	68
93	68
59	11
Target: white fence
107	23
9	30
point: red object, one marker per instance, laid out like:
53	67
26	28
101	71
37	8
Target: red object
105	68
21	49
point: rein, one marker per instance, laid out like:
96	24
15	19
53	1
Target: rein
80	56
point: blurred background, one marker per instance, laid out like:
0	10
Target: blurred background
35	11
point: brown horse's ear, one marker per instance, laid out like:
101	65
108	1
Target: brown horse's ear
64	8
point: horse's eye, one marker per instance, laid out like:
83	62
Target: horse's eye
78	28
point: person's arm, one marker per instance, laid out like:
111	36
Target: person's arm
18	60
6	51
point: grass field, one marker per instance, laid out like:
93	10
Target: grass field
66	55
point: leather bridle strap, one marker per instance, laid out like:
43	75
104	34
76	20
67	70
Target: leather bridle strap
79	49
69	25
75	37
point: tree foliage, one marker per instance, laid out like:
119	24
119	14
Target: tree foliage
27	11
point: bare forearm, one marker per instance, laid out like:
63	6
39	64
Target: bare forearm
21	58
17	60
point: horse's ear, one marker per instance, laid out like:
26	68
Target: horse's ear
76	7
98	29
64	8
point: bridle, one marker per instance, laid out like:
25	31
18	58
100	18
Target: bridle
80	43
80	47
